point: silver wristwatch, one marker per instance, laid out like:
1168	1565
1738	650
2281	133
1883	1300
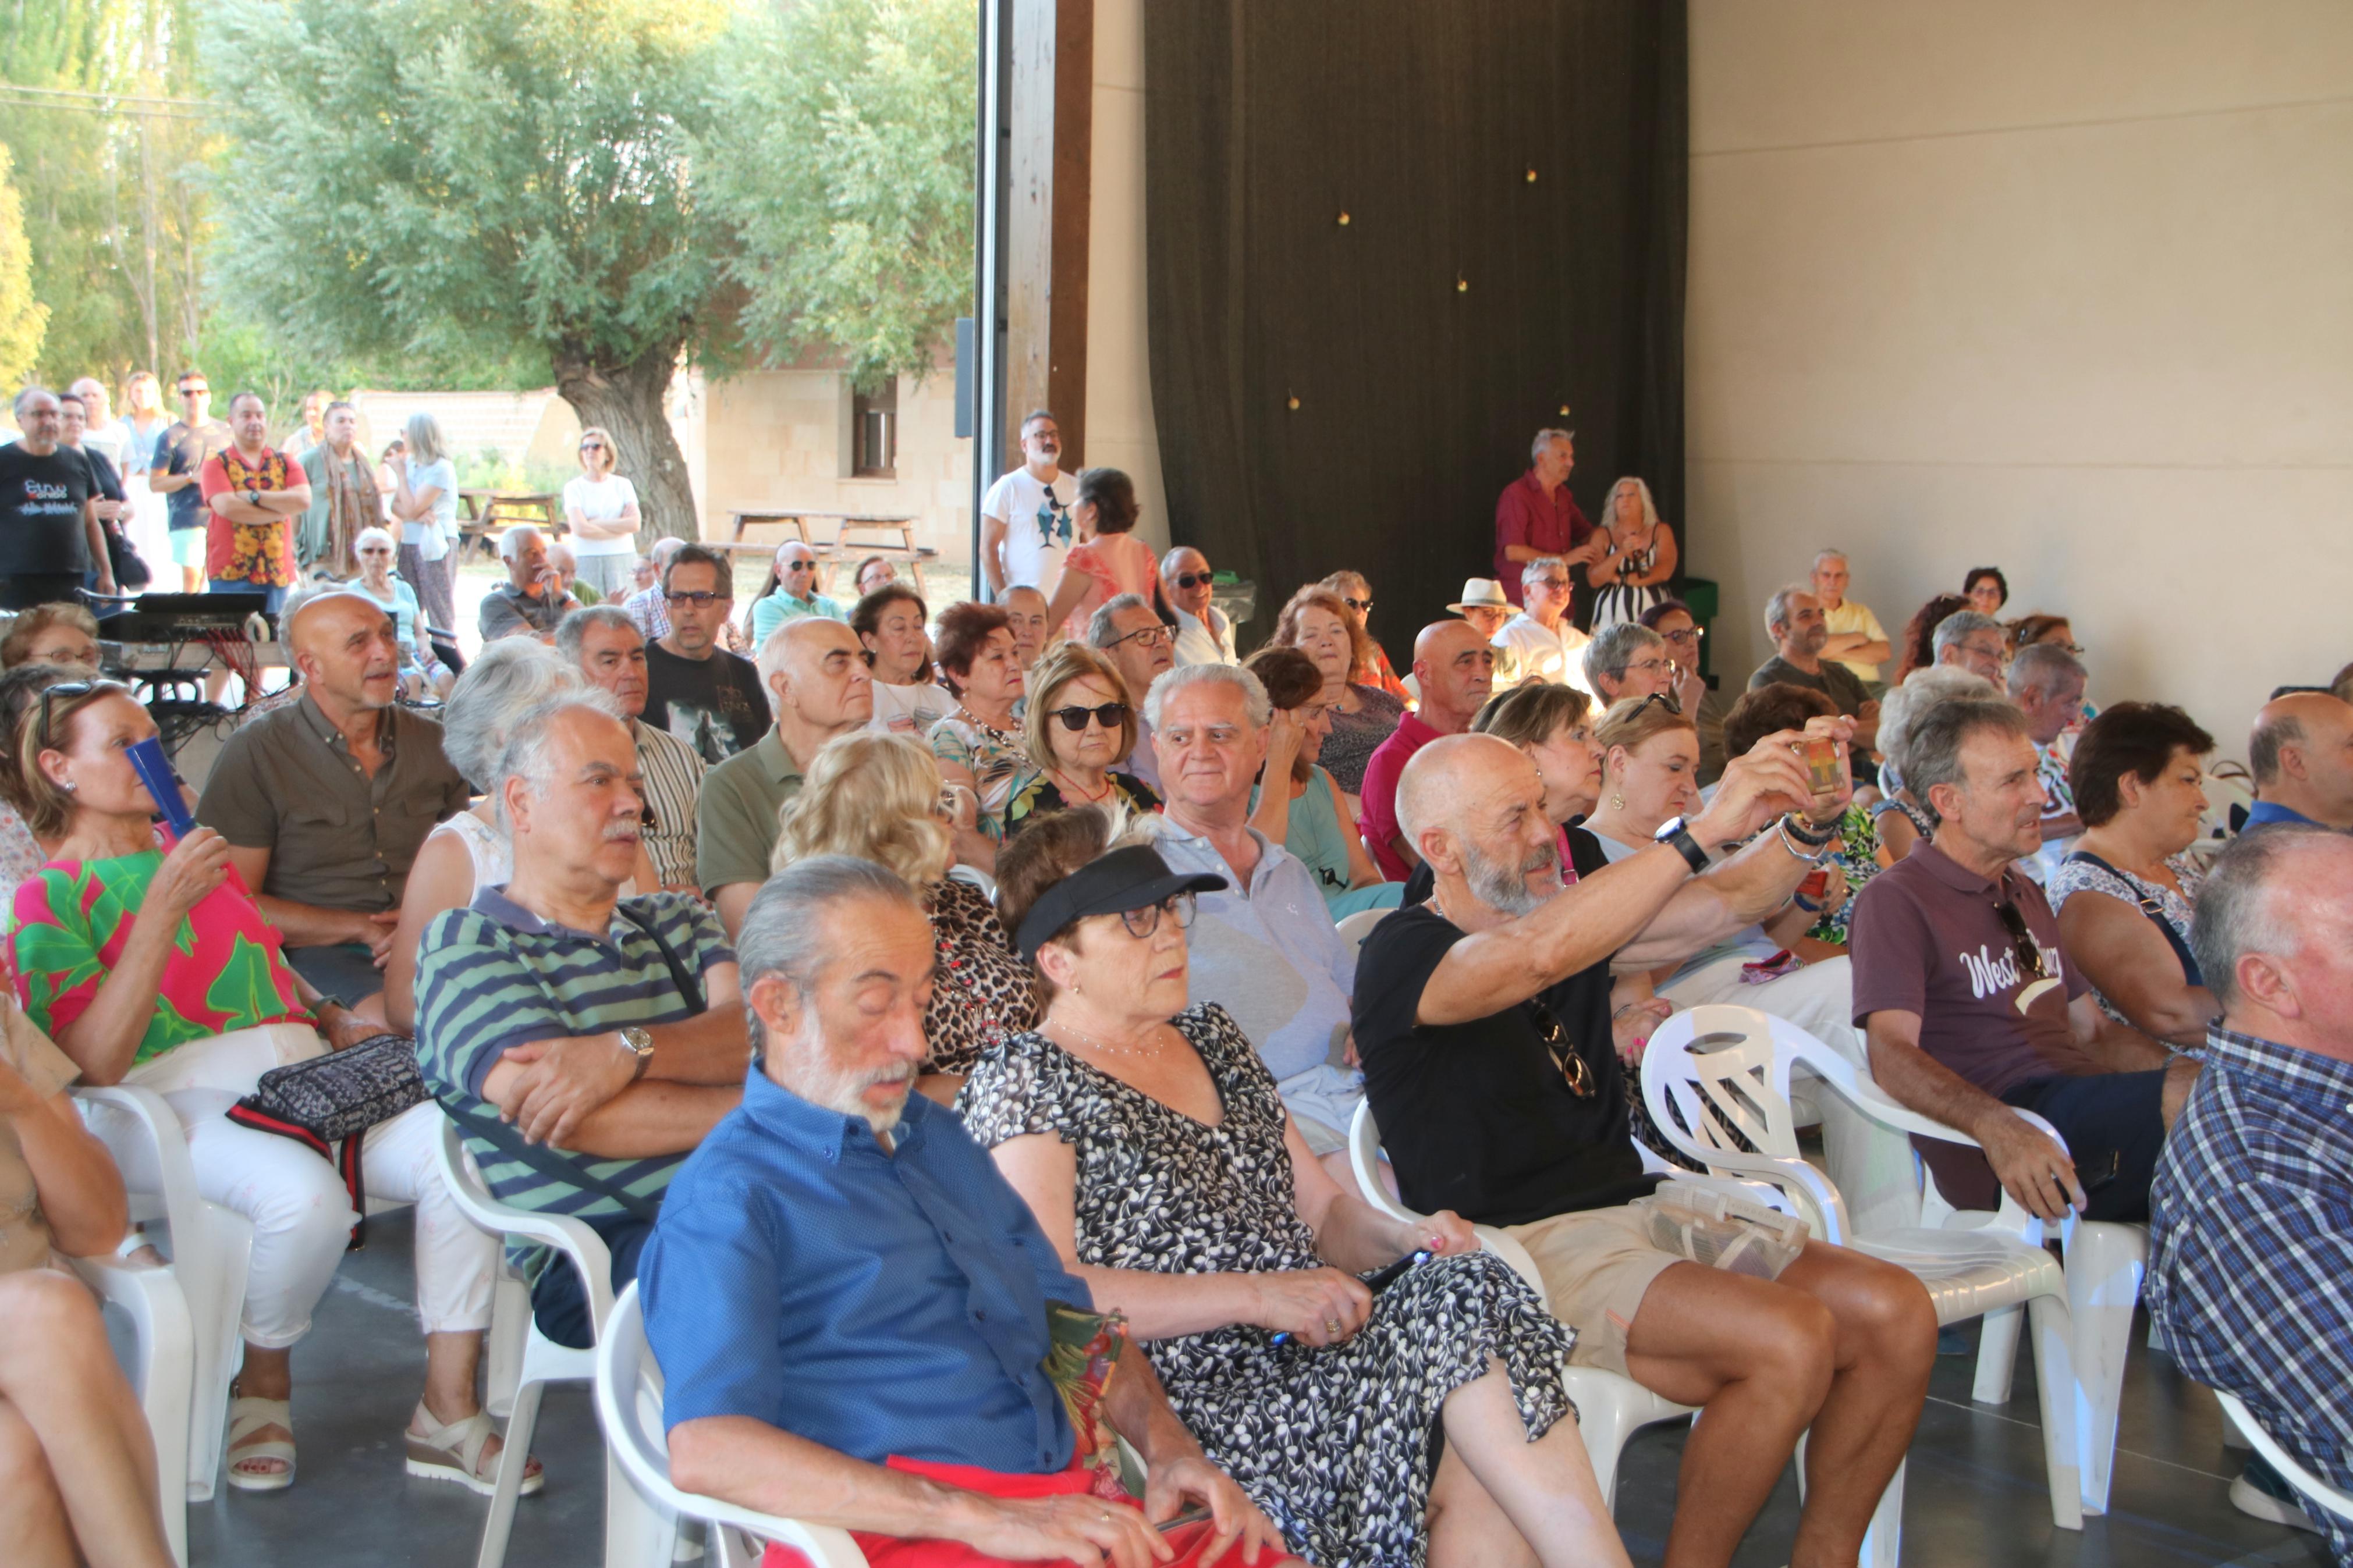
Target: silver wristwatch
640	1045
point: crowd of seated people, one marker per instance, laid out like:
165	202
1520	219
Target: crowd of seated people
1025	920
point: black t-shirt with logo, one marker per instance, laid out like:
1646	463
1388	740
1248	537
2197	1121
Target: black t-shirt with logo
1477	1117
41	502
715	705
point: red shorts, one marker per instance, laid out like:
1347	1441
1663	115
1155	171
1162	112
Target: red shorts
897	1551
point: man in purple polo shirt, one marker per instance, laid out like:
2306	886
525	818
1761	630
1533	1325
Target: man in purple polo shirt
1536	517
1970	1007
1455	668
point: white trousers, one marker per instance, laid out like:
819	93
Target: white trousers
1872	1165
303	1217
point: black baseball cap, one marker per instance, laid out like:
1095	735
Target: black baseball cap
1134	877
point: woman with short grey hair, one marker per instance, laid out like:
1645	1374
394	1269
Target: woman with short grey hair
471	850
425	513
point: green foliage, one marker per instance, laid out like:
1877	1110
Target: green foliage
447	184
23	319
843	158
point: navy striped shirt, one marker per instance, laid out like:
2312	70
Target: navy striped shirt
494	976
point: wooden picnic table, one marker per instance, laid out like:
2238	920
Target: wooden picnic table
482	511
842	545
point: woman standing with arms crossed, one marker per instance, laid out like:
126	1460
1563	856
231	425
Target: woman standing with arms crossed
600	508
1633	572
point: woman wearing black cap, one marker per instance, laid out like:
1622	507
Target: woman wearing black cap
1427	1420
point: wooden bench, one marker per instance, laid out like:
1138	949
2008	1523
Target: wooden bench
482	513
843	544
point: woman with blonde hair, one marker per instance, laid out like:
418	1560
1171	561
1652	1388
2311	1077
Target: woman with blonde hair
877	796
1078	729
1356	592
1633	572
1319	623
424	502
600	508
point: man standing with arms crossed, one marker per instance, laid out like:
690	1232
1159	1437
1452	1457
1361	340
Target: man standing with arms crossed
255	493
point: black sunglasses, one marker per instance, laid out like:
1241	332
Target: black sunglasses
1666	700
2022	940
1562	1050
1362	607
48	698
1194	579
1110	716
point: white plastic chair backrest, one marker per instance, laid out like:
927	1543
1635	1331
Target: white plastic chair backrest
144	1136
2307	1484
572	1237
630	1408
1716	1069
1365	1165
1354	927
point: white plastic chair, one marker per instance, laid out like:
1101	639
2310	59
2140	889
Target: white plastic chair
630	1408
1610	1408
209	1247
1352	929
540	1360
1716	1070
2309	1487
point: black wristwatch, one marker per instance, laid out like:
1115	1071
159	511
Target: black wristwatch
1676	837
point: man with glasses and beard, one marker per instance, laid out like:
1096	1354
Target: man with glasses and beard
1971	1008
1483	1019
695	688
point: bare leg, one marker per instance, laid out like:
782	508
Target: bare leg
1496	1494
264	1374
59	1386
1886	1345
32	1512
450	1361
1841	1343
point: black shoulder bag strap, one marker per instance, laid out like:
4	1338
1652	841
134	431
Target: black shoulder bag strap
687	988
2155	911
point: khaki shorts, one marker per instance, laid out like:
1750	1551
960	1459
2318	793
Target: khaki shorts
1596	1265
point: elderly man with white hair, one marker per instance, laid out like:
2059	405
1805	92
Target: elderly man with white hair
1483	1020
532	600
1266	949
859	1320
1543	643
1857	640
1973	642
585	1043
1205	634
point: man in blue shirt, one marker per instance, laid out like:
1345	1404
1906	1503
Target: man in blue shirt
2251	1235
2301	754
850	1304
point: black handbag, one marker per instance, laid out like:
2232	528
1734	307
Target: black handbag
328	1103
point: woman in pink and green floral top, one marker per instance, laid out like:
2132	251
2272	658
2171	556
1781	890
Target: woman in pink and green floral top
135	962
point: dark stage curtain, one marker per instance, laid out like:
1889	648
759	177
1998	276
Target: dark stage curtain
1428	339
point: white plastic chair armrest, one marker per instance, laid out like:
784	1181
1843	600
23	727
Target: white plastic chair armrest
577	1241
168	1142
1755	1192
1811	1194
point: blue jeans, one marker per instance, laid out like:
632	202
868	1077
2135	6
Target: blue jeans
271	597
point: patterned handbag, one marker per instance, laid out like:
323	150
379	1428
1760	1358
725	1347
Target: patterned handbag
328	1103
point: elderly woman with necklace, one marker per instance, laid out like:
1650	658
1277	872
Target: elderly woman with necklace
1080	727
979	745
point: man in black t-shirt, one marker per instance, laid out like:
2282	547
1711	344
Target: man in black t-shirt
1482	1021
50	538
181	454
696	689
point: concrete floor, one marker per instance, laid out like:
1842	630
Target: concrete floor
1975	1494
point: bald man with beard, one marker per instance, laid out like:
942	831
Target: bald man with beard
1482	1021
324	802
1454	669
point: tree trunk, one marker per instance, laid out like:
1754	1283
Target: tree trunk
630	400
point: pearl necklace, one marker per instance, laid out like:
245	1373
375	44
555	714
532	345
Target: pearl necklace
1094	1043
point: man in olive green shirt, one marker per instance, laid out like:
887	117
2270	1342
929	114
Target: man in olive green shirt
820	685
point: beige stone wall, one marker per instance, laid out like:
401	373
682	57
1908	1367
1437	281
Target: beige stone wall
774	439
2065	288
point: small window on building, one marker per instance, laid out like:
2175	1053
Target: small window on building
875	432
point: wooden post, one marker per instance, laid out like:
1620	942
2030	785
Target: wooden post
1050	158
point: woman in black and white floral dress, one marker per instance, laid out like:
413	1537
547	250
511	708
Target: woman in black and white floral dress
1427	1423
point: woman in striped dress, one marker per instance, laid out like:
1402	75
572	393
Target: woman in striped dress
1633	576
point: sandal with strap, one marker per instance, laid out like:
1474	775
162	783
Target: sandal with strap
454	1453
246	1415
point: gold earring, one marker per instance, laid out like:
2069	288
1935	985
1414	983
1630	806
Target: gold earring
1616	802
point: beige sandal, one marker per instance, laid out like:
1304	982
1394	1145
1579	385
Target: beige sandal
246	1415
454	1453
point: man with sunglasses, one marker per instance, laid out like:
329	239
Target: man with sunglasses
1205	635
695	688
1483	1020
1972	1012
181	454
794	596
1541	639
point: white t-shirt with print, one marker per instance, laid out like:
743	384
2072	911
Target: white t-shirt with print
1038	527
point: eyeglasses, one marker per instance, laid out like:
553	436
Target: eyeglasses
68	689
1110	715
1194	579
1688	634
1555	583
1149	634
1646	666
1143	922
1362	607
1562	1050
699	600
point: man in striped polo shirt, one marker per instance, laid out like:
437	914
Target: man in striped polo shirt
584	1045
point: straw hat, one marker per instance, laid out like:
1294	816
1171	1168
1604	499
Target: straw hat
1481	594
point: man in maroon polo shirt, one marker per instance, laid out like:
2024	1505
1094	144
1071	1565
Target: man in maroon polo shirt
1973	1012
1536	518
1455	668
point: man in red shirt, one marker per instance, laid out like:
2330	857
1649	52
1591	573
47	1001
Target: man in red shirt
1536	517
253	494
1456	669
